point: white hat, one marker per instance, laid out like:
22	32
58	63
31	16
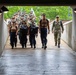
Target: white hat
57	16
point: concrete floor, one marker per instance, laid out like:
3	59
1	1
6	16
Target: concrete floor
52	61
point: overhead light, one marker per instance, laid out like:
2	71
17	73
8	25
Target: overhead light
4	9
75	10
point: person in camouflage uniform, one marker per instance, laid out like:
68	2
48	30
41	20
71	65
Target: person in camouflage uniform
57	28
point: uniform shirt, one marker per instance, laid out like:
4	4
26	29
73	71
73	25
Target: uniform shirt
57	26
23	29
33	29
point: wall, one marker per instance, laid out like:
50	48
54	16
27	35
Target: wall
3	33
1	24
74	30
67	35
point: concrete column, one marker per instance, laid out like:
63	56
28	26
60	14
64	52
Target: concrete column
74	30
1	29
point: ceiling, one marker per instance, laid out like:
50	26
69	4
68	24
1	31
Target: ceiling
38	2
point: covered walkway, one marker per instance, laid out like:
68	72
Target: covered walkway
29	61
52	61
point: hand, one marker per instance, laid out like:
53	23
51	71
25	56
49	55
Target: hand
39	31
48	31
36	35
62	31
16	34
9	33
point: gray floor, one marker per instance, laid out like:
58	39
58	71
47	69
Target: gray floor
38	62
52	61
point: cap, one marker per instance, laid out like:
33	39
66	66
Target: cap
57	16
43	14
13	21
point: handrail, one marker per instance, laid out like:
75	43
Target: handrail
67	22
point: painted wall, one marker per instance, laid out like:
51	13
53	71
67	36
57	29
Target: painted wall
67	35
1	24
74	30
3	33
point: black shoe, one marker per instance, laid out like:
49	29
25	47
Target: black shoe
25	46
22	46
42	46
12	47
15	45
58	46
45	47
34	47
31	47
55	44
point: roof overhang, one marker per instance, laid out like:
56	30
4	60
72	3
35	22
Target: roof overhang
38	2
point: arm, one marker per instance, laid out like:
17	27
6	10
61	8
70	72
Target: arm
28	30
16	30
9	30
39	25
62	26
52	27
48	26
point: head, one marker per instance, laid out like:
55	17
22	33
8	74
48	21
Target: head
57	18
33	22
31	12
13	23
24	22
43	16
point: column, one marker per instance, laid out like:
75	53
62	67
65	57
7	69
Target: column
74	30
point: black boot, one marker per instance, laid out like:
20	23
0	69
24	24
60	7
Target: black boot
42	45
58	45
22	45
45	47
12	46
15	45
25	45
31	46
34	46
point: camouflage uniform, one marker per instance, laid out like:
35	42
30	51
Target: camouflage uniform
57	28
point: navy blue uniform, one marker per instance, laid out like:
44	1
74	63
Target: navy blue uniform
13	37
23	35
33	29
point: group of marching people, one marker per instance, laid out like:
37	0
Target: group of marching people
24	25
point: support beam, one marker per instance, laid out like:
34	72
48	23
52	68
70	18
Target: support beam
1	29
74	30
